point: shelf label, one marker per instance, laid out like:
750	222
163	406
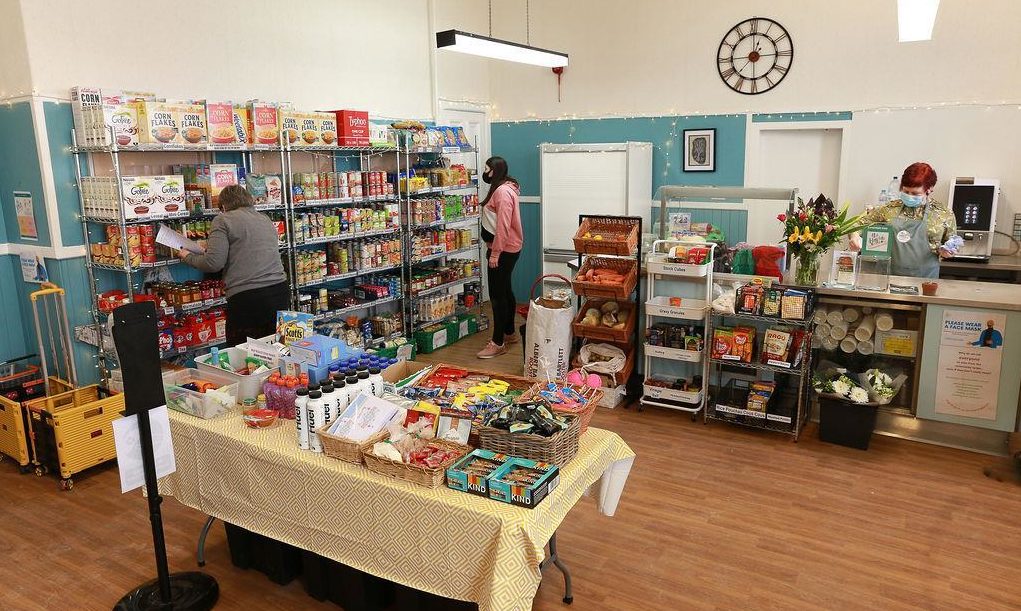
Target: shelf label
779	418
776	363
730	357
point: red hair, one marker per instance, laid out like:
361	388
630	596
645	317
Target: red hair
919	174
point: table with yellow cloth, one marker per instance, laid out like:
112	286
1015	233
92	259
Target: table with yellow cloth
446	542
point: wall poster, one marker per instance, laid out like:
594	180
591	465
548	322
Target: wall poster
970	357
26	215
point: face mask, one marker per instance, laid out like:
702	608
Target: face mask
912	201
487	177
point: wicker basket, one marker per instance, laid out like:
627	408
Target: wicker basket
620	377
621	292
600	332
346	449
583	412
558	449
619	236
423	476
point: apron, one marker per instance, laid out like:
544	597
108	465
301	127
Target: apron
912	255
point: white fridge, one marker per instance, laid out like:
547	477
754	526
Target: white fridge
611	179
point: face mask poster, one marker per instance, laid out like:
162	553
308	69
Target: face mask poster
970	351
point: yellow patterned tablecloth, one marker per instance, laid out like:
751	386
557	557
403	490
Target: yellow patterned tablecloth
442	541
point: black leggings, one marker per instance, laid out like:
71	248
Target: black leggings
501	294
254	313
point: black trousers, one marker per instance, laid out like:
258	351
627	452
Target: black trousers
501	295
254	313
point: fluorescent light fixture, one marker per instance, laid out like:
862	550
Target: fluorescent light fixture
483	46
916	18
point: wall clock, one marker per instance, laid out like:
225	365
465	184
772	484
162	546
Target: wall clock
755	56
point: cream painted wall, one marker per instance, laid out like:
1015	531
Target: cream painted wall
651	56
15	77
461	77
315	53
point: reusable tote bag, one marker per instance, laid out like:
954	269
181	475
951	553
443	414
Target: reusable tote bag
548	334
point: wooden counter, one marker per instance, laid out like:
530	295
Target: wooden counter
962	293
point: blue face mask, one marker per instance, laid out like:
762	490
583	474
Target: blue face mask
912	201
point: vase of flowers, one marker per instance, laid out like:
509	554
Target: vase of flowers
811	230
847	409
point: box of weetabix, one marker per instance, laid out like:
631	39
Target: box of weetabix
242	131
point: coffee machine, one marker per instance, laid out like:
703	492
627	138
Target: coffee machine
973	201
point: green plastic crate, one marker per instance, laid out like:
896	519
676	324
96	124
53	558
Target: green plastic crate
465	325
434	337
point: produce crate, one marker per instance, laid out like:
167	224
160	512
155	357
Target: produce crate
622	376
601	332
619	236
73	430
14	433
433	337
619	291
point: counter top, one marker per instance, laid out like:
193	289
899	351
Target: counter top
992	295
996	262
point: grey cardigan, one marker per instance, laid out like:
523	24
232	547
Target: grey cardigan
242	243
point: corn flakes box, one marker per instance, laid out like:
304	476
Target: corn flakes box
264	122
308	129
290	126
157	122
327	128
191	125
220	122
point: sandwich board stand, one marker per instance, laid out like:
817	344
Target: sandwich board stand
135	336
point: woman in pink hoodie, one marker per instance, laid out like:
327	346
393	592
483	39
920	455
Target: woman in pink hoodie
501	231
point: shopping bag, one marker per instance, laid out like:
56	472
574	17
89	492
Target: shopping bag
548	336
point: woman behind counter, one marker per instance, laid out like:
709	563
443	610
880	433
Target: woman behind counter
243	244
924	230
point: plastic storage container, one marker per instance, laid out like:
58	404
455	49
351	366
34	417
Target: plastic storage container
209	404
249	386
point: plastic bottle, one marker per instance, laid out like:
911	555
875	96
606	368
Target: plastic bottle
329	403
314	416
300	416
884	197
363	383
353	388
268	388
280	393
893	188
287	408
376	381
343	394
260	402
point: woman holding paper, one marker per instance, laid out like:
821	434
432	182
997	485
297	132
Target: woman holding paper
243	245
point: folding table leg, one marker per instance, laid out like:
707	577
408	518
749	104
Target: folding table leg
555	558
202	540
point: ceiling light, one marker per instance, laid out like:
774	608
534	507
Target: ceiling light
915	19
494	48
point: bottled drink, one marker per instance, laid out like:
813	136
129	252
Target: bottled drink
343	396
329	403
287	401
260	402
315	416
376	381
353	388
300	416
884	197
893	188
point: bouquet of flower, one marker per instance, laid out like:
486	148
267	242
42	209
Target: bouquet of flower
841	386
881	387
816	227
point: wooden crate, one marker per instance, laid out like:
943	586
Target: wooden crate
73	431
620	292
619	236
608	334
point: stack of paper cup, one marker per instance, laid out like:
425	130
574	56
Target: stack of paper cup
884	322
865	328
866	347
850	315
848	344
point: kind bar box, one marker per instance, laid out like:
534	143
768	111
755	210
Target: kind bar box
471	473
523	482
353	126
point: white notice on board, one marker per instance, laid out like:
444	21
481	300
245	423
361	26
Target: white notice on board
970	357
129	449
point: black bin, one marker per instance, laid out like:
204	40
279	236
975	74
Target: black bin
845	423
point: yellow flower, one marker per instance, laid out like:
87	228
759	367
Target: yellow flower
793	237
818	236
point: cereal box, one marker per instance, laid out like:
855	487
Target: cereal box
221	175
139	196
242	135
274	190
169	194
122	117
220	122
380	134
308	129
264	122
353	127
83	99
191	125
327	128
157	122
290	126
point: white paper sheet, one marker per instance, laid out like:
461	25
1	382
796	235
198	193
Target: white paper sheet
129	449
364	417
168	237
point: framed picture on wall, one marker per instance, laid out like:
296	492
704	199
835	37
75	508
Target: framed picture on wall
700	150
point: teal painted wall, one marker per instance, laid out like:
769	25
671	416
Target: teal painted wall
12	336
59	123
788	117
1007	398
518	143
19	171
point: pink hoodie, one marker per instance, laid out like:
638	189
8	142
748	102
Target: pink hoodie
508	236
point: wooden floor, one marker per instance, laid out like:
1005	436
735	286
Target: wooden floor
713	517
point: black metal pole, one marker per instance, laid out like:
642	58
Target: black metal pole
159	542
